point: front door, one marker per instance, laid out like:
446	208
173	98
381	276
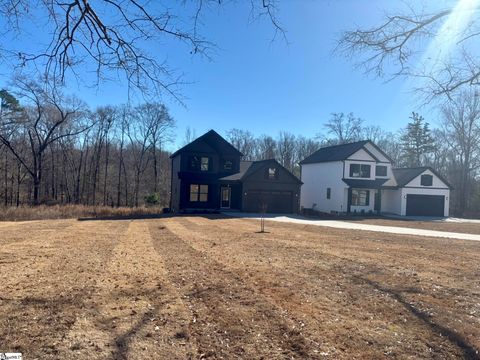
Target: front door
225	197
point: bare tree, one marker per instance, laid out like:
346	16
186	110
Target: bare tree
189	136
286	144
437	46
47	120
160	124
266	148
461	128
111	37
343	128
244	141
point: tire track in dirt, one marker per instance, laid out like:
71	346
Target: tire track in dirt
47	281
355	288
134	312
304	299
336	245
231	318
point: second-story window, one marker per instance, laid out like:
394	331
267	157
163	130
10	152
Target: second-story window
227	165
271	173
359	170
380	170
204	164
198	163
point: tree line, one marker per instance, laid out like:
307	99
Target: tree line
54	149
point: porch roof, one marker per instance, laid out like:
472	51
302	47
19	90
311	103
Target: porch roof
365	184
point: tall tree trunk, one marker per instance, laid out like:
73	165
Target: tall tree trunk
106	174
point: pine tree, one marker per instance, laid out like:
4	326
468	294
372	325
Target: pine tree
417	141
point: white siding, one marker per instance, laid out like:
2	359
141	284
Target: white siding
392	201
316	179
376	153
437	183
361	155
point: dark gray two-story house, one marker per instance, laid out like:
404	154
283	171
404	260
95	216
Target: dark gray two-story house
208	175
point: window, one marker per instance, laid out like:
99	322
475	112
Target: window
227	165
358	170
380	170
329	193
426	180
204	164
360	197
272	173
198	163
198	193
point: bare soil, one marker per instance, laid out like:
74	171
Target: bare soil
438	225
209	287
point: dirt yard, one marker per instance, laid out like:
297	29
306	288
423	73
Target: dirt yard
197	287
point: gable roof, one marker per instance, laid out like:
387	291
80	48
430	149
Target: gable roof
405	175
334	153
341	152
248	168
214	140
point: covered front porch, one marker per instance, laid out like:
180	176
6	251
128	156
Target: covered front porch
364	196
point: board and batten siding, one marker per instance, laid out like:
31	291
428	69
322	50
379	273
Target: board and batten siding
376	153
414	187
316	179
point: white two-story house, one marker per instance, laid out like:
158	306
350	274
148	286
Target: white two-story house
358	177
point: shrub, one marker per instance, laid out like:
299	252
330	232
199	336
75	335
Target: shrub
152	199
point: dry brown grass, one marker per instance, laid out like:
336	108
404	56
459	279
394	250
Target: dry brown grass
193	287
44	212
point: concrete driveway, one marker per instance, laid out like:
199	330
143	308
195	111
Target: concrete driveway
341	224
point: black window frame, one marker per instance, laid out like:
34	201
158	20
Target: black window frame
200	193
329	193
384	169
361	170
195	163
358	197
227	162
429	182
202	168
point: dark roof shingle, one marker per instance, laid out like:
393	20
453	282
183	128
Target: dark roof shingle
334	153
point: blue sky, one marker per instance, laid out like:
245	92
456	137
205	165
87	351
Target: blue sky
266	87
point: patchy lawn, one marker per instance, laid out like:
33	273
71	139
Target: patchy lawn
438	225
208	287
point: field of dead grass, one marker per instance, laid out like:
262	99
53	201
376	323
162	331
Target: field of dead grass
43	212
209	287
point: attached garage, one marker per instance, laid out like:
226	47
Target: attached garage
265	186
269	201
425	205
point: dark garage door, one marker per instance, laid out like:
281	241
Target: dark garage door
280	202
425	205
